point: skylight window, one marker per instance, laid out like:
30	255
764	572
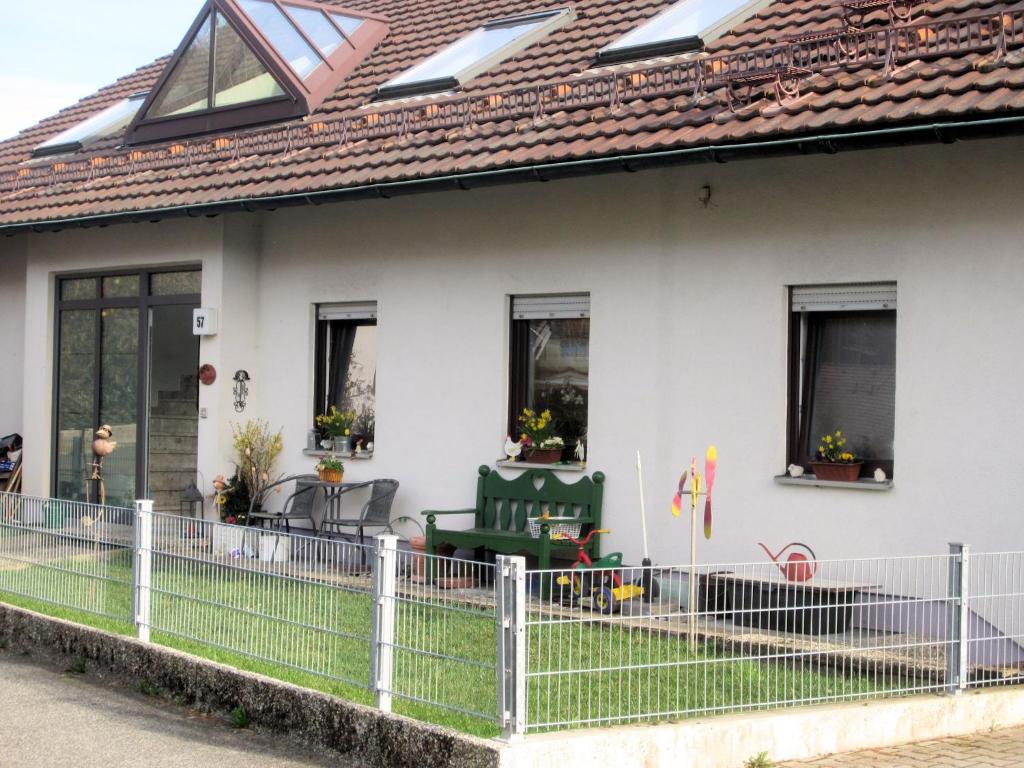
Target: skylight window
283	35
688	25
99	126
480	50
245	62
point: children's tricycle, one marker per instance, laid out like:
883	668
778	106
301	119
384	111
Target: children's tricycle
599	580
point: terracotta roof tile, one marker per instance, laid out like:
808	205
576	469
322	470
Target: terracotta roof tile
547	104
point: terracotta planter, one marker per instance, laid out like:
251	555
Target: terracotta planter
418	544
843	473
544	455
331	475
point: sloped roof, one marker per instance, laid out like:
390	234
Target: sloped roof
794	70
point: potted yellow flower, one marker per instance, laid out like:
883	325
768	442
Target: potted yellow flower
337	426
836	462
541	444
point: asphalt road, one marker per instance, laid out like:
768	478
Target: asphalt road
57	719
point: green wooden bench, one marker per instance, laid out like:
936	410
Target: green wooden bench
504	506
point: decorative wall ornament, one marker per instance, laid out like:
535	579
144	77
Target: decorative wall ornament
241	390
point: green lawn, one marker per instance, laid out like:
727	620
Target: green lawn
317	636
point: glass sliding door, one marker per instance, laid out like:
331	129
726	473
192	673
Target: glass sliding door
76	387
105	369
173	409
119	400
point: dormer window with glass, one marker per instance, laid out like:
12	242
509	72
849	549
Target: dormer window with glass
246	62
688	25
480	50
110	121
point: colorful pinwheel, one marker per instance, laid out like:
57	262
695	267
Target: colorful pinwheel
710	464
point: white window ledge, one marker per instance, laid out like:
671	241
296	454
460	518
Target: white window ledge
568	466
318	453
810	481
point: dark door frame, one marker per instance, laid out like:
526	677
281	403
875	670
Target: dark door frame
142	302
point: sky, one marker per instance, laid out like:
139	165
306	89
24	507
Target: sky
52	54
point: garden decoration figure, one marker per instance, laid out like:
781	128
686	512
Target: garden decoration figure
700	485
798	566
102	447
513	449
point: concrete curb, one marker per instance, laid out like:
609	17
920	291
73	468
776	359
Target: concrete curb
361	733
727	741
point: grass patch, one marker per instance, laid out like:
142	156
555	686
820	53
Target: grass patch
239	717
317	636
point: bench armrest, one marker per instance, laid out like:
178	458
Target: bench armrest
470	511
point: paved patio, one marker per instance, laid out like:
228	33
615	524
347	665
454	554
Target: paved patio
995	749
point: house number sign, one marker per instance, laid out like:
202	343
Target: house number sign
204	322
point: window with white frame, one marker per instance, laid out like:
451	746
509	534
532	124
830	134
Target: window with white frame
843	371
346	364
550	363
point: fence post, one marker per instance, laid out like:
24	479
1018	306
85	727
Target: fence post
382	625
959	629
142	567
510	597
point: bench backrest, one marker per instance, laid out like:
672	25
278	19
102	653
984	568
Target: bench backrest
505	505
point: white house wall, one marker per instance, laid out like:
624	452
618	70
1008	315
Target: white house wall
12	332
688	334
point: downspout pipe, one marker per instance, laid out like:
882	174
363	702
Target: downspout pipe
830	143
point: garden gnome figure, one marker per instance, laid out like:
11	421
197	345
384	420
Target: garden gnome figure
102	447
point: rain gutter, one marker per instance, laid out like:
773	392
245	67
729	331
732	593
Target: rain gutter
947	132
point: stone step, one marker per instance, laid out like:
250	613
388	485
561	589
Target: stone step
173	425
163	480
175	408
174	396
161	444
172	462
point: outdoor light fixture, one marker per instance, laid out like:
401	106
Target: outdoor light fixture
241	390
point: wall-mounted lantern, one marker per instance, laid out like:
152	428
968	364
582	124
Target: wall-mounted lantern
191	502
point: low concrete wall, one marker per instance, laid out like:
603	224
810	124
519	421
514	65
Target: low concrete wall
362	733
807	732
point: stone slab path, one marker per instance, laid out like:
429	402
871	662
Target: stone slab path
995	749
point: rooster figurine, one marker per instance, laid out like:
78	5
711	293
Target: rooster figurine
512	449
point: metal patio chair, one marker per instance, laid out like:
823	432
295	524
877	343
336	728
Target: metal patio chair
300	505
376	512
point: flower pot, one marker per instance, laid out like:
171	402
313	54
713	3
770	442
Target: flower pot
418	544
225	538
843	473
544	455
331	475
275	548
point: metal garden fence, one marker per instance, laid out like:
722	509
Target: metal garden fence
525	651
67	554
745	637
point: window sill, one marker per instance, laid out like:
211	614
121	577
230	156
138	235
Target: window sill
810	481
565	466
319	453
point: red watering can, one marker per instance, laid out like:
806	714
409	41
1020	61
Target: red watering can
798	566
